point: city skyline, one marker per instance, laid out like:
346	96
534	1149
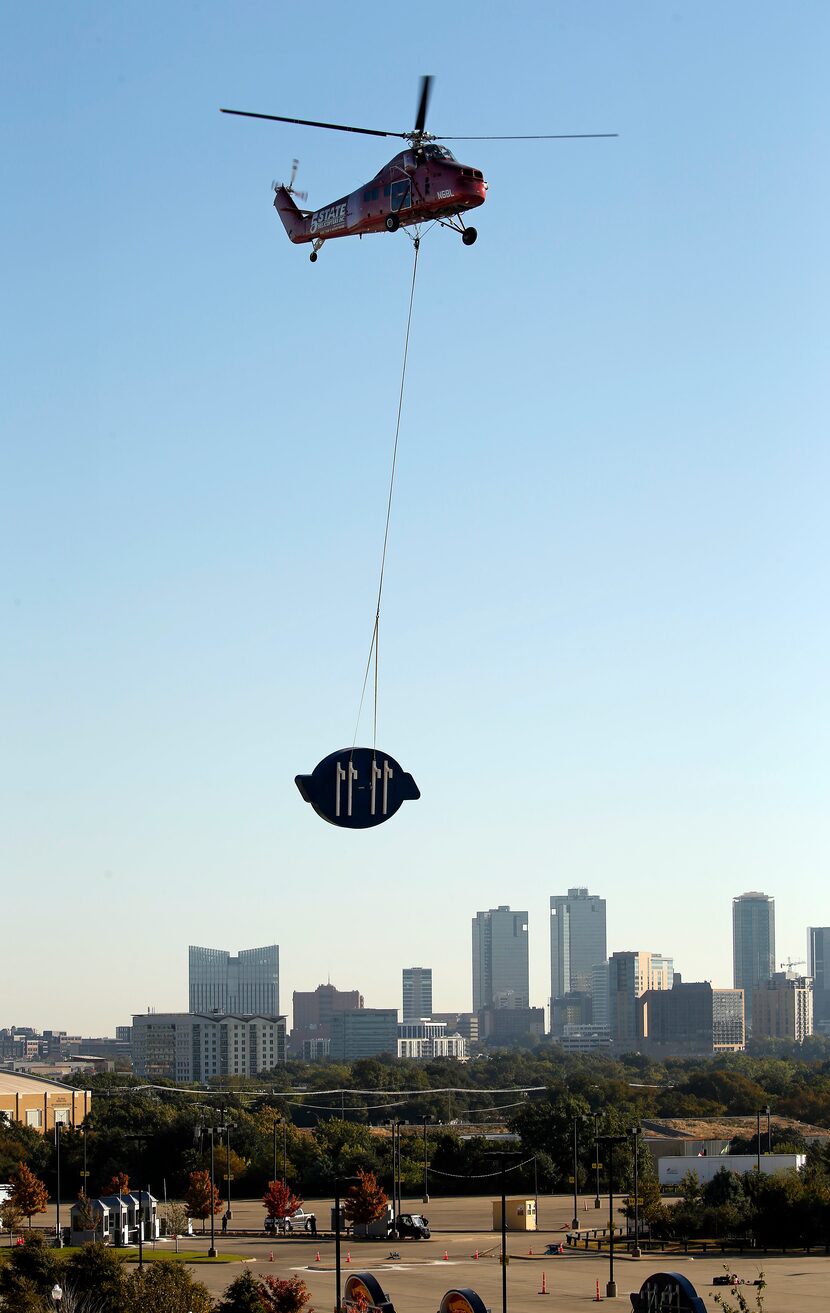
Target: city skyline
389	995
600	656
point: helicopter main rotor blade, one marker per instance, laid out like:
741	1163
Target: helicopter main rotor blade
544	136
312	123
421	116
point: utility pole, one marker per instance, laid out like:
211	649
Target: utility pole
609	1141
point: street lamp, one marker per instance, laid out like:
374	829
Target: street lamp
769	1131
59	1236
229	1126
425	1119
575	1222
503	1157
344	1180
596	1158
636	1252
610	1141
212	1131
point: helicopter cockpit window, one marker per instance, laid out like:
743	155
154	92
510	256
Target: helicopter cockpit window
435	152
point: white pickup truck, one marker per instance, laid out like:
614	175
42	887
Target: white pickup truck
298	1221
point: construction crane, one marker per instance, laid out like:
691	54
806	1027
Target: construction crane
789	964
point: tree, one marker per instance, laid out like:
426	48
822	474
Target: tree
280	1201
85	1219
96	1273
202	1197
28	1192
176	1216
366	1201
168	1287
289	1295
11	1215
242	1296
28	1276
119	1183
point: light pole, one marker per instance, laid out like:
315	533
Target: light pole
211	1131
338	1181
426	1178
596	1158
769	1131
503	1157
635	1140
758	1141
59	1237
284	1149
229	1127
575	1222
610	1141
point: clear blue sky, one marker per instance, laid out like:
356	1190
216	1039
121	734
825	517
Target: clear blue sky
605	640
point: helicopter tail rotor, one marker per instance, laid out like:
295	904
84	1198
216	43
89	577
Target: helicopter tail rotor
289	186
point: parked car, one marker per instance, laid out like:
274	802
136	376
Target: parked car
410	1226
298	1221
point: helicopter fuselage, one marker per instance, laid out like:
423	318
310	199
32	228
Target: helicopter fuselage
417	186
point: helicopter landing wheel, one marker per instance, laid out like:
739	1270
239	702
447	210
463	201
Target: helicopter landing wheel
469	235
393	223
313	257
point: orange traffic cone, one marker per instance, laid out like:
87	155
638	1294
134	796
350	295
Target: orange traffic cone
475	1255
317	1256
446	1256
530	1251
544	1289
597	1296
348	1255
271	1256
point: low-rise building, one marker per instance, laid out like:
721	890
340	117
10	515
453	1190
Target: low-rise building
39	1104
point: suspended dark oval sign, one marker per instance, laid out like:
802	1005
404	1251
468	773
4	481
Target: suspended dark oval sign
356	788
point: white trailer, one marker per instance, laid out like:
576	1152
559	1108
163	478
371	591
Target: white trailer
670	1171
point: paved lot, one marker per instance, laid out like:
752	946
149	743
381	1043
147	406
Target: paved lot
461	1227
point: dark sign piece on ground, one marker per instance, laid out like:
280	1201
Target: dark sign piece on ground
667	1292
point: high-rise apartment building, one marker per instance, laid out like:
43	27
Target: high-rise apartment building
630	974
818	959
782	1008
501	976
245	984
417	993
753	945
186	1046
577	941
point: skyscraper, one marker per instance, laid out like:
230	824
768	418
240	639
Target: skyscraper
577	941
818	958
417	993
245	984
500	964
630	975
753	945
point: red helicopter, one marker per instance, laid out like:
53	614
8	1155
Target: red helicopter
423	184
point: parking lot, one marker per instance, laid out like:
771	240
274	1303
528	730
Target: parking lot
463	1227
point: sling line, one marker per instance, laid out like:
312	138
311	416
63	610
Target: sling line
374	645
